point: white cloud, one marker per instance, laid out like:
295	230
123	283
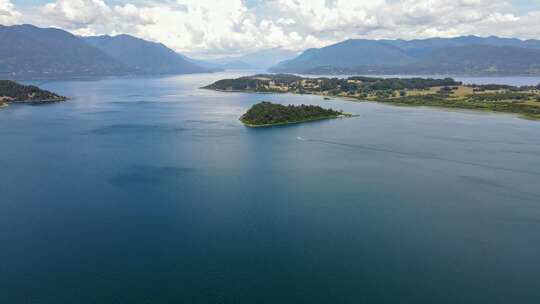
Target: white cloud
8	14
77	13
211	27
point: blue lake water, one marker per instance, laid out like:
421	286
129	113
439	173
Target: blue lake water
151	191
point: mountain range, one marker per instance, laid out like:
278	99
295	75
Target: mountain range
143	56
27	51
33	52
469	55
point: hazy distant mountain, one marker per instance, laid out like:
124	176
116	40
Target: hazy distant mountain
482	58
347	53
238	65
461	55
258	60
230	65
27	51
144	56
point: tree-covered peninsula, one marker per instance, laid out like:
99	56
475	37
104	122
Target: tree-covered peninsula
266	114
11	91
446	92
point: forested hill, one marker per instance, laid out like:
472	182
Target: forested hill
27	51
144	56
267	114
469	55
11	91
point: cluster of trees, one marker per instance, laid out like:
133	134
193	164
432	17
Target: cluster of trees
334	85
371	84
404	83
240	84
267	113
503	96
258	82
19	92
494	87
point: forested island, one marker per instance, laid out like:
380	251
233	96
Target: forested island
445	92
267	114
11	91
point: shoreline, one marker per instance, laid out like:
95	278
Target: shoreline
535	117
528	116
344	115
34	102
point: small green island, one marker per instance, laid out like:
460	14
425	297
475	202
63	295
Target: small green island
446	93
267	114
13	92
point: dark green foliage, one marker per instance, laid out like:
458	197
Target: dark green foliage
506	96
280	78
368	84
266	113
19	92
240	84
491	87
404	83
258	83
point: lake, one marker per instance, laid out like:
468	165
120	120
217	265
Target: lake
149	190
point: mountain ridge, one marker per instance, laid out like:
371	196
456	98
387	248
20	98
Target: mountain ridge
144	56
34	52
43	53
415	56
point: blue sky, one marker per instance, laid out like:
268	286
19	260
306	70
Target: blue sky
209	28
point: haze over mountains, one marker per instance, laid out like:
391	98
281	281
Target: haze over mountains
258	60
462	55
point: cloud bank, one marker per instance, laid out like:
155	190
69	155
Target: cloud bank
219	27
8	14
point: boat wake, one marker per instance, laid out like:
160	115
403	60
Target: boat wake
417	155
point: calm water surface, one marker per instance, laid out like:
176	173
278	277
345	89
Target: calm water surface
151	191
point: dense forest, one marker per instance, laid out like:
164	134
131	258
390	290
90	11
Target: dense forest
11	91
266	114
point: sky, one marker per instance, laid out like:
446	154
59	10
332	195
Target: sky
214	28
